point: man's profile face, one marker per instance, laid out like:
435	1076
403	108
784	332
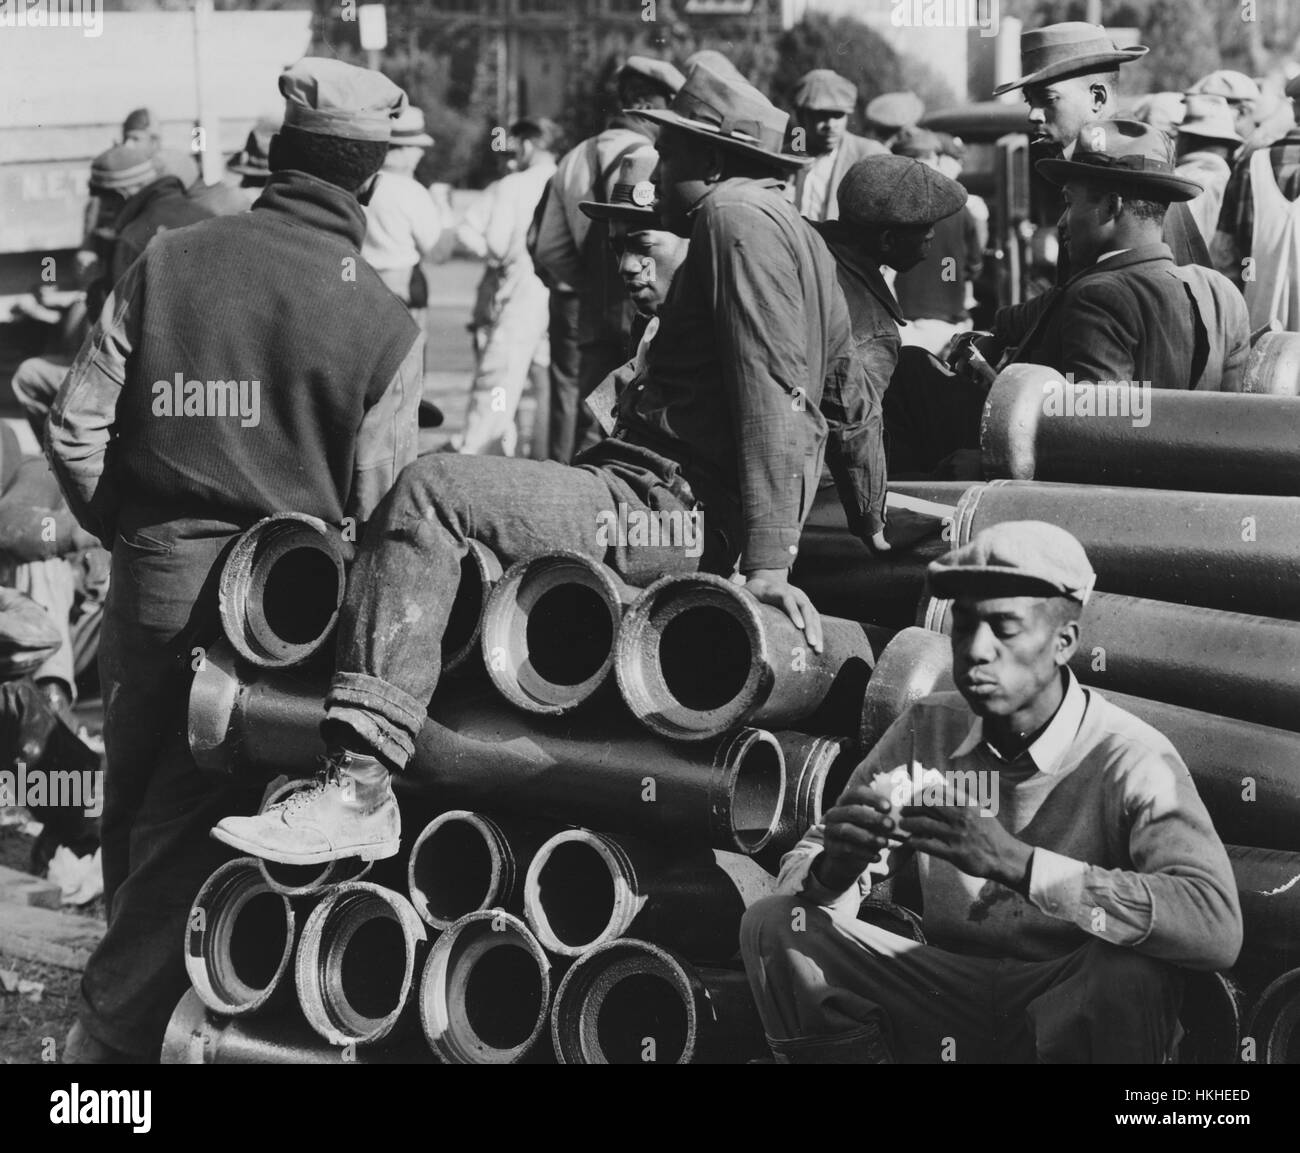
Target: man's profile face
909	246
1008	651
681	177
1085	223
1060	110
1243	117
824	128
648	259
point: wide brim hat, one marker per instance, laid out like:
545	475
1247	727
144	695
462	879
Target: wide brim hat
1210	118
632	199
1126	155
728	110
408	129
1074	48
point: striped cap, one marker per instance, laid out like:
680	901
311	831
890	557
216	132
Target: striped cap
122	166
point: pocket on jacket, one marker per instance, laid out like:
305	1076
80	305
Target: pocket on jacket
142	544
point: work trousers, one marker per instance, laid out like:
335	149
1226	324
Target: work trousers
566	360
158	806
832	990
407	570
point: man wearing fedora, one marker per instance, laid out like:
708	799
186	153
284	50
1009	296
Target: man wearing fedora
1128	312
823	102
1068	872
724	420
280	297
1259	227
648	259
1071	80
1204	143
591	318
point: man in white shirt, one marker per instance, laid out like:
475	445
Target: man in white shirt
823	102
512	310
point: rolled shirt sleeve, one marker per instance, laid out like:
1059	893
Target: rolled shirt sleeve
388	439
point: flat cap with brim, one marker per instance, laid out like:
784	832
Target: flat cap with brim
122	166
1125	155
825	91
1024	557
895	110
632	200
408	130
662	72
725	108
1228	84
330	98
1074	48
916	142
897	191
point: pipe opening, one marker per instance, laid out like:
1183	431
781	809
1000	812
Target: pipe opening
454	872
300	594
504	996
757	795
569	634
639	1019
704	655
258	939
837	776
466	608
576	895
372	967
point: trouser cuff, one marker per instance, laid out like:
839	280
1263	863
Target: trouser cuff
383	716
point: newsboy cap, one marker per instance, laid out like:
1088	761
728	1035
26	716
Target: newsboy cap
895	110
897	190
331	98
825	91
1031	557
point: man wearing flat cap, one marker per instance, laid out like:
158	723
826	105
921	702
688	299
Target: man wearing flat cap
1129	313
1071	80
591	319
749	384
1259	227
243	366
1068	871
823	103
891	113
889	206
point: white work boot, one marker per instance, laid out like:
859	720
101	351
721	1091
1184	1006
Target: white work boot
348	811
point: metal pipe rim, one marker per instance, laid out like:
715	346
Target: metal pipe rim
486	569
624	902
639	667
318	968
444	1000
209	933
505	628
741	759
584	992
1277	1016
501	866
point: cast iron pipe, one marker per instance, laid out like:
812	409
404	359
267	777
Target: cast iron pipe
1245	773
815	768
1231	664
629	1002
464	862
697	656
1274	1024
241	714
549	631
585	888
196	1036
1211	1016
843	578
239	940
479	572
1268	885
1273	367
356	963
1222	551
828	511
1154	438
486	991
281	588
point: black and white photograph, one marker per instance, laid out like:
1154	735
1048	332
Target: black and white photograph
649	532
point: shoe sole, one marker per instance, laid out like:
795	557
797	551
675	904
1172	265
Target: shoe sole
379	851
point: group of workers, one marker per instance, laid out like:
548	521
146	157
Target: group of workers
713	293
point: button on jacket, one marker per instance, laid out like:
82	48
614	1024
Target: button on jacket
753	358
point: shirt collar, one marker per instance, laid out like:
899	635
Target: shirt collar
1108	255
1048	750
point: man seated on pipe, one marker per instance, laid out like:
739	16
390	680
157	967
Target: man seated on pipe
648	258
727	417
1068	868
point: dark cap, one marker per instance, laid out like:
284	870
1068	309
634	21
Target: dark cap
1031	556
825	91
897	190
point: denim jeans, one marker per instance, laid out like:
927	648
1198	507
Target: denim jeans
407	569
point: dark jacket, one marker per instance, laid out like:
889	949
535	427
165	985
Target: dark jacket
1136	317
163	204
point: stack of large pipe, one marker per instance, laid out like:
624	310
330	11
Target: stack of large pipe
605	802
